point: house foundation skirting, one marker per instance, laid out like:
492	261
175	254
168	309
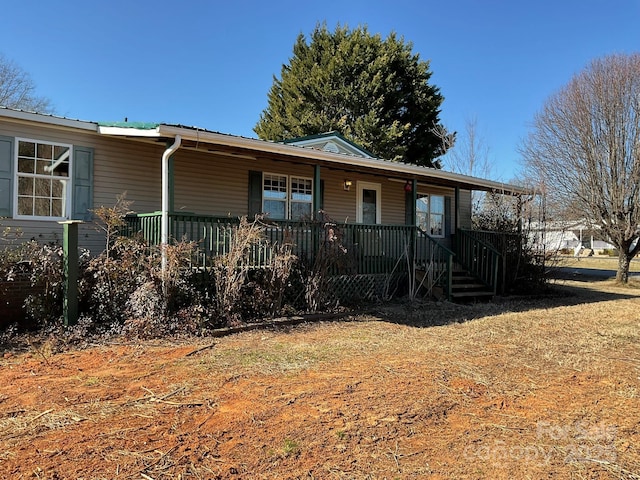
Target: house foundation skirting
353	289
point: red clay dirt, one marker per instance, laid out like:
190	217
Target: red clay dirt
339	400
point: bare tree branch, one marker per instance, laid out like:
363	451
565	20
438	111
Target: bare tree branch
470	154
585	145
17	89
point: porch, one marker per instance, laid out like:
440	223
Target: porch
366	256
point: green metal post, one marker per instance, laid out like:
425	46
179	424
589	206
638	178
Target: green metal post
316	192
456	223
70	250
317	216
449	277
414	223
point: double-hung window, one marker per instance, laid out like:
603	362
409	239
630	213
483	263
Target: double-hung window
42	180
287	197
430	214
301	198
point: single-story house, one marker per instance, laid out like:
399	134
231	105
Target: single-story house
576	235
191	181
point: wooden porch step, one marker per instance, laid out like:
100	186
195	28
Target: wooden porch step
474	294
464	288
469	286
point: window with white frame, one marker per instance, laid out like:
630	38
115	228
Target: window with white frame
287	197
301	198
430	214
42	179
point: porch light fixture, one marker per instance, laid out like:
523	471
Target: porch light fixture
408	187
347	185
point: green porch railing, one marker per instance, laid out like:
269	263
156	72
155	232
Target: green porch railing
435	260
509	246
478	257
365	249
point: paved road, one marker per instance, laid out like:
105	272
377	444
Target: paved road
584	274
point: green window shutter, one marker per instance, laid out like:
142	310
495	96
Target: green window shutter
82	183
6	176
321	203
447	216
255	193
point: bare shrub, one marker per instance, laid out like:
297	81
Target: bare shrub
162	304
111	278
244	288
126	285
332	256
111	220
510	219
47	277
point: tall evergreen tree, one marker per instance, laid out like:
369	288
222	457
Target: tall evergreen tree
374	91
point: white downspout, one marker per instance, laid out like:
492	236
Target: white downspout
164	222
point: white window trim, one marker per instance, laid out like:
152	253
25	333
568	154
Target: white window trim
289	197
68	187
360	186
429	213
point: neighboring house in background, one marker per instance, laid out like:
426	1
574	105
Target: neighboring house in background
567	235
54	168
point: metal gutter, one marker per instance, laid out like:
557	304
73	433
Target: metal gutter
164	225
336	158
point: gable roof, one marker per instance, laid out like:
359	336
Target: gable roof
233	145
333	142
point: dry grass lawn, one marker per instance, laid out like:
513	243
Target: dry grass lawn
529	388
598	262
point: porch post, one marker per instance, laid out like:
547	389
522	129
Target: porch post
414	199
316	192
317	216
413	239
410	199
456	223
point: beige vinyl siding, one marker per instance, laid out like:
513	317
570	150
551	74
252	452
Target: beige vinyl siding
216	185
204	183
393	203
131	167
210	184
339	205
119	166
465	209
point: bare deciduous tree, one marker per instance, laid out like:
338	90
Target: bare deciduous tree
585	146
470	154
17	89
467	154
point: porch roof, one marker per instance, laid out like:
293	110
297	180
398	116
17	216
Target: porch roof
221	143
232	145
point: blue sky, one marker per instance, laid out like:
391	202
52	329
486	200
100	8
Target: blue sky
210	64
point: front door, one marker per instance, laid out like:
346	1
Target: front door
369	203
